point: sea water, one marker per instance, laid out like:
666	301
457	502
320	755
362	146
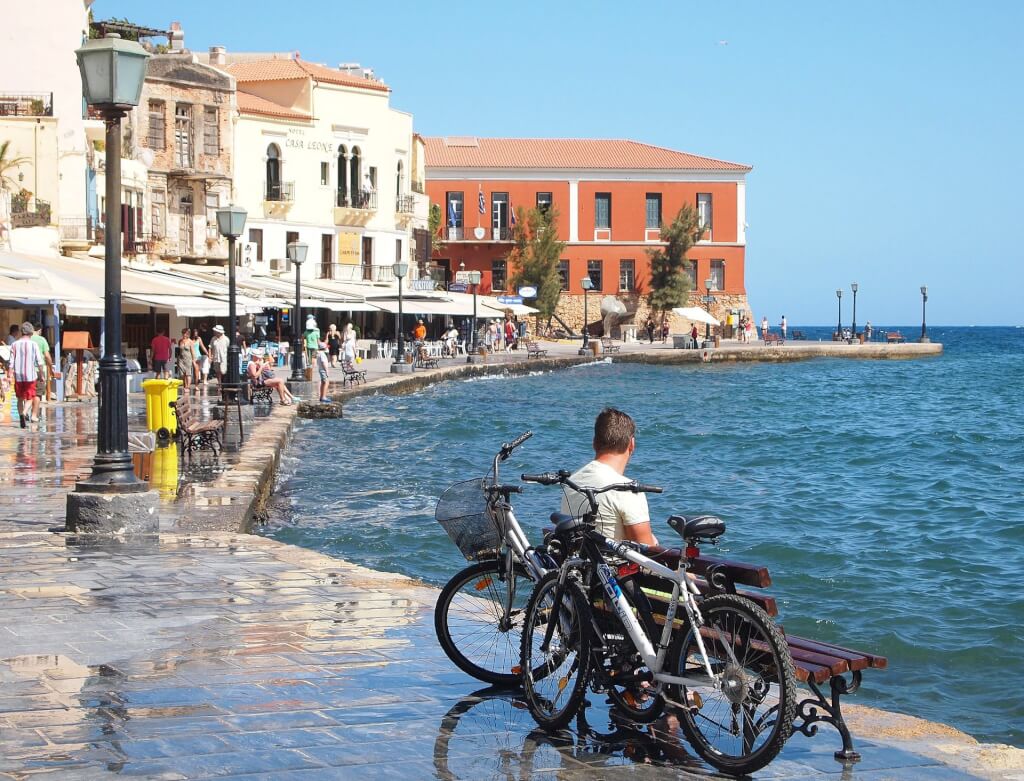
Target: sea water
885	497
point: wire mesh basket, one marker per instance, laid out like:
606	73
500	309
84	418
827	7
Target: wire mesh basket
462	513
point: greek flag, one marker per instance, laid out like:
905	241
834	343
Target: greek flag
453	217
480	199
511	213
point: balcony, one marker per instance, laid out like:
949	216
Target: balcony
26	104
480	235
356	272
405	210
417	186
278	198
76	233
354	209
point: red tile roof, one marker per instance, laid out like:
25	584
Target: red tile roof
254	104
281	70
571	153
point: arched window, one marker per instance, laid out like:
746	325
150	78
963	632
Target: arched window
342	176
354	175
273	173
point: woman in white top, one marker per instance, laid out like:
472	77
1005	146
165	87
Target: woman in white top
348	345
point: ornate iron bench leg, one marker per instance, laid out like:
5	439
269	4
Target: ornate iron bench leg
808	714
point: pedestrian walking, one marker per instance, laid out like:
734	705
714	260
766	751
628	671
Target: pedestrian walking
46	371
782	327
764	327
186	358
219	353
694	335
26	359
322	365
333	339
348	347
160	354
649	328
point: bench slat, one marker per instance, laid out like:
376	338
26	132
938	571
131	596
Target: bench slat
740	573
862	660
658	603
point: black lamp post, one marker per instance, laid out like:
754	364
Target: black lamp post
839	322
587	284
924	300
400	269
231	223
113	71
707	326
853	287
297	256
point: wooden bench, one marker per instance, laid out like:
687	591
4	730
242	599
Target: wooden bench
816	663
351	375
894	337
425	360
196	434
607	346
770	339
799	335
534	350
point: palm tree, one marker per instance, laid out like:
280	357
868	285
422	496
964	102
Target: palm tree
8	165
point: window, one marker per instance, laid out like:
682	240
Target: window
273	173
653	211
454	214
498	274
325	174
627	276
544	201
289	237
499	216
704	212
211	131
183	135
157	212
595	273
256	237
718	274
563	274
603	211
156	137
212	204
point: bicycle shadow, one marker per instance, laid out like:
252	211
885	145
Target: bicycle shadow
491	734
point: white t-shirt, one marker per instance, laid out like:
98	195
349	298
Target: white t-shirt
615	509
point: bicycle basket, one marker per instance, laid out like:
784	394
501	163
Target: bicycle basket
462	513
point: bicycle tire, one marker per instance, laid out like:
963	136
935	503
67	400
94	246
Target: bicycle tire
762	675
471	636
568	655
626	698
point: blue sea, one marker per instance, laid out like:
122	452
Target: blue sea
886	497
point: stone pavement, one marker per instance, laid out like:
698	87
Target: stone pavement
233	656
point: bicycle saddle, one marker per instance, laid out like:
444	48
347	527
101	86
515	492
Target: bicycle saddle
697	527
564	522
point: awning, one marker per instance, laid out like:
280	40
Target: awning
695	314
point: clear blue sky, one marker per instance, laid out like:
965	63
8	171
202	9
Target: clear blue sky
885	136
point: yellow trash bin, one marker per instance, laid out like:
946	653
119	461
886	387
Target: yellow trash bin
161	395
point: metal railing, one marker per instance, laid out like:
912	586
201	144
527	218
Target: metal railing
360	200
26	104
501	234
453	234
405	204
279	191
75	229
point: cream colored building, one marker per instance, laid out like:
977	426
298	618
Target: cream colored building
321	157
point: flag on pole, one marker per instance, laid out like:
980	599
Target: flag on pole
453	220
480	200
511	214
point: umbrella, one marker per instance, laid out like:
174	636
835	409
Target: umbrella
696	314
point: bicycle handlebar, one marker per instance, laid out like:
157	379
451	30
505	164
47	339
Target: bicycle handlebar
508	447
562	478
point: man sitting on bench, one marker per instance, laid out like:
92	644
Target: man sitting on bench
621	515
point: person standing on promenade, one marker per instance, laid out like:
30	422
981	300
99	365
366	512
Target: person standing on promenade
219	353
333	339
867	331
160	353
311	337
649	328
621	515
46	372
748	330
323	363
782	327
200	358
24	370
186	358
348	346
14	334
695	336
764	327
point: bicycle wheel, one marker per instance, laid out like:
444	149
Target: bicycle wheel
635	699
555	680
468	621
740	726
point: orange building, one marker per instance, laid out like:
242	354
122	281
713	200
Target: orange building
611	196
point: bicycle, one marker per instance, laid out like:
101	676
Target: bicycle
727	673
478	615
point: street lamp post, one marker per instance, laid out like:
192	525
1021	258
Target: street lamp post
297	256
230	224
112	71
853	287
587	284
924	300
707	326
474	280
400	269
839	322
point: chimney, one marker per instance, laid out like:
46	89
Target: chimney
218	55
177	37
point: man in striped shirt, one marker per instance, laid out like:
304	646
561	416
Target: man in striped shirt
24	368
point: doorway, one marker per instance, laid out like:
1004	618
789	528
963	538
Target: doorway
368	258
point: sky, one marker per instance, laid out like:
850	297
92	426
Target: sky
885	136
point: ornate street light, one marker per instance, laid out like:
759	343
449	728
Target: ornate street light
924	300
230	224
400	269
707	326
839	326
587	284
474	280
853	287
297	256
112	71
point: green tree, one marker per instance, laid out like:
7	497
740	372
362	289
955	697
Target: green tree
534	258
8	165
435	227
670	284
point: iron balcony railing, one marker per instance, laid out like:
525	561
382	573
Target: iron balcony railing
280	191
405	204
454	233
75	229
361	200
26	104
